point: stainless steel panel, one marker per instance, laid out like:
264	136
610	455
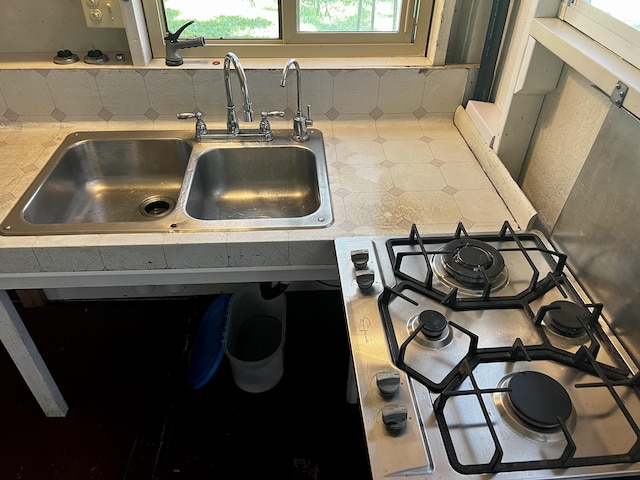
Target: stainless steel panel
599	227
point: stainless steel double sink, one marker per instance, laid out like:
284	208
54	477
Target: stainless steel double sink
165	181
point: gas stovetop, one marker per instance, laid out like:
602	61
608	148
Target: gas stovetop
480	355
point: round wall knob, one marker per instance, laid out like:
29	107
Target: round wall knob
388	382
395	416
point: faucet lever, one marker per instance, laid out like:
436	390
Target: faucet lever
265	126
201	127
308	120
173	37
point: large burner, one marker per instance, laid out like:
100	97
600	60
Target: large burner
539	399
470	264
535	405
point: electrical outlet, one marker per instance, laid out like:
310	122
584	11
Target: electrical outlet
103	13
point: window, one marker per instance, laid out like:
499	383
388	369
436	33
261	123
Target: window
613	23
303	28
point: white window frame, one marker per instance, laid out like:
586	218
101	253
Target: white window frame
620	38
410	41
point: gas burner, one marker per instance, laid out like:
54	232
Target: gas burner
564	318
467	264
434	329
534	404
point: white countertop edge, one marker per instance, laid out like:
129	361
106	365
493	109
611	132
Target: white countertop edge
167	277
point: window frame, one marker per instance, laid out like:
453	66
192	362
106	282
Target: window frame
613	34
410	41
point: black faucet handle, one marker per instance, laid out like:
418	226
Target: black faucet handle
173	37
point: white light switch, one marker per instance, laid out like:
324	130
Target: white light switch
103	13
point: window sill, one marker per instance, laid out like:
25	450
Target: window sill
589	58
45	61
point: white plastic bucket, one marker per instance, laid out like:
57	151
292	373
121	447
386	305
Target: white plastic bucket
254	339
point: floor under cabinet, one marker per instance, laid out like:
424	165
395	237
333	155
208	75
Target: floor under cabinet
121	366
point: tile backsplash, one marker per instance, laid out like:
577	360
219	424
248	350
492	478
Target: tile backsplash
96	94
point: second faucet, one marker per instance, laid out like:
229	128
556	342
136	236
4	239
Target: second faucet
300	122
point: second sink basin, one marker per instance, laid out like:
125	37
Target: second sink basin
254	182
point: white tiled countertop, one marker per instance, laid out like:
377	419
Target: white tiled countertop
385	174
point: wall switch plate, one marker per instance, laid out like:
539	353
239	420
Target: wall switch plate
103	13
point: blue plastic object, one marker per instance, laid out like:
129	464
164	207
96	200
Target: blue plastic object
207	351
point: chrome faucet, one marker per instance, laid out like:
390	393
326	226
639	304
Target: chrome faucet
300	122
232	120
172	57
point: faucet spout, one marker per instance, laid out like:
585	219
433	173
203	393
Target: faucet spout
232	121
293	63
300	122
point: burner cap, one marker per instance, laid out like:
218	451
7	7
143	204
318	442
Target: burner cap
538	399
564	318
468	260
434	324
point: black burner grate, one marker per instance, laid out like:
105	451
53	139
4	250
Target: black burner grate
583	359
609	380
512	243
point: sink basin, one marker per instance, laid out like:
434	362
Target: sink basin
254	182
110	180
129	182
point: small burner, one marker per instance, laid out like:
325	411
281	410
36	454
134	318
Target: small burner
539	400
434	324
564	318
432	327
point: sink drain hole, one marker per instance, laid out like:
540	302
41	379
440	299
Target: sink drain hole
156	206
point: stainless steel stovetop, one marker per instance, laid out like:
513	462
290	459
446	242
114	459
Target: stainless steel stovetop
480	356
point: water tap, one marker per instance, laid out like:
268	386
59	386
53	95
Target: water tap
173	44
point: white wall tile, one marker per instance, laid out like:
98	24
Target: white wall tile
26	92
401	91
208	86
355	91
122	91
127	91
170	91
266	93
74	92
317	91
444	89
